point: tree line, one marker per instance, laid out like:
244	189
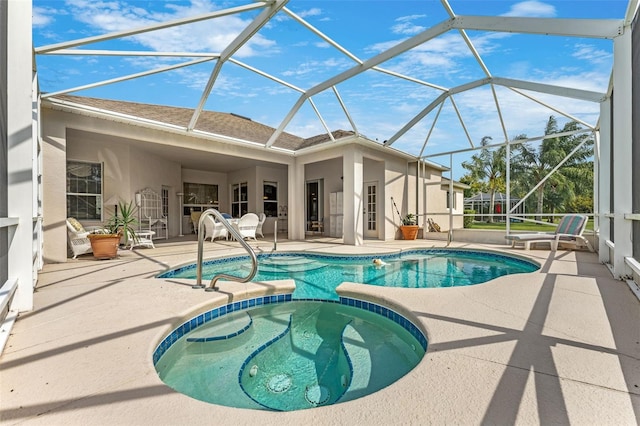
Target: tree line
568	189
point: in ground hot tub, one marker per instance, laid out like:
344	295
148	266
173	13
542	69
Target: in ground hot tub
275	353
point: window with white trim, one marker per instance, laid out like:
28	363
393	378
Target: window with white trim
270	198
239	199
84	190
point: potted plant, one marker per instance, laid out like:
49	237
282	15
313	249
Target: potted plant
105	241
409	228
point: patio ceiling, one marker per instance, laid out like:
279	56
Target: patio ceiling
327	102
188	158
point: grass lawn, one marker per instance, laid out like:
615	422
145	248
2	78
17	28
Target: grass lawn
521	226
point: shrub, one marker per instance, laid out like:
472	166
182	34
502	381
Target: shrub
468	220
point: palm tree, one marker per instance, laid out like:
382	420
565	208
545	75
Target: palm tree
534	163
488	166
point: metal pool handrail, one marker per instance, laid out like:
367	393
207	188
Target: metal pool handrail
237	236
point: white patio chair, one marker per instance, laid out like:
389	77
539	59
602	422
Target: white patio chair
78	241
247	225
261	217
213	229
568	232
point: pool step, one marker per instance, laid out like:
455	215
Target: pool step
267	266
284	260
230	326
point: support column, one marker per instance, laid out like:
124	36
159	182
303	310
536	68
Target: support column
602	181
296	201
352	169
622	160
20	155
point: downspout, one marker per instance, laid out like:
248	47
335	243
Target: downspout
418	194
450	233
508	188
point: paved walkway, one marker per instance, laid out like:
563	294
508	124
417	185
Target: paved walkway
559	346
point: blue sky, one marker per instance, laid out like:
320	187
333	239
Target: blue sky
379	104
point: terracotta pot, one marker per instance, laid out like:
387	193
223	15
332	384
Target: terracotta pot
409	232
104	246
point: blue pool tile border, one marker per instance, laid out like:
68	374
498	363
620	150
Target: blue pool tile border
205	317
225	337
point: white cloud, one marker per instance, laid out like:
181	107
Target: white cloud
531	9
310	12
211	35
41	17
590	53
314	67
405	26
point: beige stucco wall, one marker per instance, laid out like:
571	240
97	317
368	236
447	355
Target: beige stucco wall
127	170
398	186
396	177
54	205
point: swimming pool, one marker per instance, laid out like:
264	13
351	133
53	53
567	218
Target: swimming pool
281	354
317	275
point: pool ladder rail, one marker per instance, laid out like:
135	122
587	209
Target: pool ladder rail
235	234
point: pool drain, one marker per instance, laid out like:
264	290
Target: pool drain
279	383
317	394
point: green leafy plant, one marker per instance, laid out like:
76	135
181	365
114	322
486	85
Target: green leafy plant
468	218
124	222
409	219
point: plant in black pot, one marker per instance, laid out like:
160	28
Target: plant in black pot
409	228
105	241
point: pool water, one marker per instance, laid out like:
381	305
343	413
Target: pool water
293	355
317	276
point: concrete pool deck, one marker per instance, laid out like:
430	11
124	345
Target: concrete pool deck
558	346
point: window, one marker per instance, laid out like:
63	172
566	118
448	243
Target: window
240	199
270	198
449	200
84	190
199	197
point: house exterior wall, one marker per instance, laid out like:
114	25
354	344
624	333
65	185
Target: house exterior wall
130	164
397	190
396	177
127	169
54	167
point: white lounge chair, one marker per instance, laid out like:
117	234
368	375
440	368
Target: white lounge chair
261	217
568	232
247	225
213	229
78	241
